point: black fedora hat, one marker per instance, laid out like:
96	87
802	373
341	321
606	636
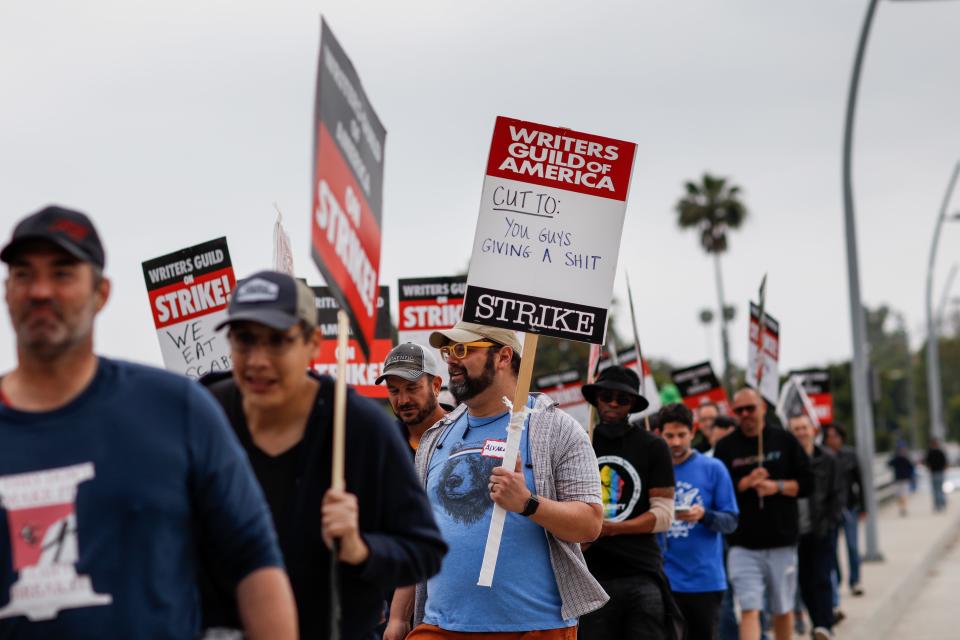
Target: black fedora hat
617	378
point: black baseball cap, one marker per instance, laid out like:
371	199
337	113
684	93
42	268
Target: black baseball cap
409	361
70	230
272	298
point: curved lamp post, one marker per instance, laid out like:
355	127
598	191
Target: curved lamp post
934	389
862	410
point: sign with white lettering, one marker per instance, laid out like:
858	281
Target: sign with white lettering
548	234
698	385
188	292
427	305
770	381
361	373
347	188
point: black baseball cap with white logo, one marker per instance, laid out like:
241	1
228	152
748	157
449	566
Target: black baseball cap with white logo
274	299
69	230
409	361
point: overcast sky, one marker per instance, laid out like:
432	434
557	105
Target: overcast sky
173	123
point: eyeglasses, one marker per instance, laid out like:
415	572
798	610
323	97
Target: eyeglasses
275	344
459	349
745	409
614	396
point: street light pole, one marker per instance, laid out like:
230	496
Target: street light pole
934	390
862	411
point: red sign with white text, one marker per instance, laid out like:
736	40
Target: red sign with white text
347	188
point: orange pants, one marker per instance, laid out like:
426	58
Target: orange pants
433	632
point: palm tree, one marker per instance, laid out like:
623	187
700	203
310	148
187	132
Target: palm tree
713	207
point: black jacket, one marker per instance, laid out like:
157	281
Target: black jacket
396	520
775	523
852	480
824	505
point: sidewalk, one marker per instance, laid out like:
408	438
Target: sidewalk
911	547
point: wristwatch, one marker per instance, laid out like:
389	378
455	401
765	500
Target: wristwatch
779	486
531	507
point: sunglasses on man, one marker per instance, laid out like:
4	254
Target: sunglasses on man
745	410
611	397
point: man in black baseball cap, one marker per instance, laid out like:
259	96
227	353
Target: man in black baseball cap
282	413
636	471
137	463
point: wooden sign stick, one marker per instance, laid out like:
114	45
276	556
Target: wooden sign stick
512	450
337	480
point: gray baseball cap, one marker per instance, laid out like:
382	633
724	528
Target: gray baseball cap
273	299
410	361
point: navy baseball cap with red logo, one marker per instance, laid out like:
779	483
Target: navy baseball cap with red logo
70	230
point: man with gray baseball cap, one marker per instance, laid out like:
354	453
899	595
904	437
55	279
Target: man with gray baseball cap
412	375
282	413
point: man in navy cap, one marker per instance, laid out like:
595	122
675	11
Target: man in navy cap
282	412
636	474
113	474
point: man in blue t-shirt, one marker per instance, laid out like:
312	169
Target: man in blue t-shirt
705	510
552	500
112	475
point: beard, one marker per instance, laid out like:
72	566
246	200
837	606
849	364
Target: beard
423	412
470	387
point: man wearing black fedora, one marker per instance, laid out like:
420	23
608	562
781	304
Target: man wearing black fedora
636	476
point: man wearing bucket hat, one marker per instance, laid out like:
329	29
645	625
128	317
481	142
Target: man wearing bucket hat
552	498
282	413
636	473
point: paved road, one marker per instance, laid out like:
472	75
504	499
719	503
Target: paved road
933	611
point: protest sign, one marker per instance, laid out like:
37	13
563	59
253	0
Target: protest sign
282	252
545	251
361	374
770	380
816	384
428	305
564	389
188	291
794	401
698	385
347	188
548	234
628	358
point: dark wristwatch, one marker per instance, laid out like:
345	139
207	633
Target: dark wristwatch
531	507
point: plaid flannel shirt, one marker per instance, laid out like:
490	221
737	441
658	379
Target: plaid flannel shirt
564	469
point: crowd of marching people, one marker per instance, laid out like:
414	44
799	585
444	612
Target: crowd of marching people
141	504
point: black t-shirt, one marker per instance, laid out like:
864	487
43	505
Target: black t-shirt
776	524
278	477
632	461
936	460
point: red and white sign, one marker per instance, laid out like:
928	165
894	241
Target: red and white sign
565	389
427	305
189	290
361	373
770	384
816	384
548	234
347	188
698	385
